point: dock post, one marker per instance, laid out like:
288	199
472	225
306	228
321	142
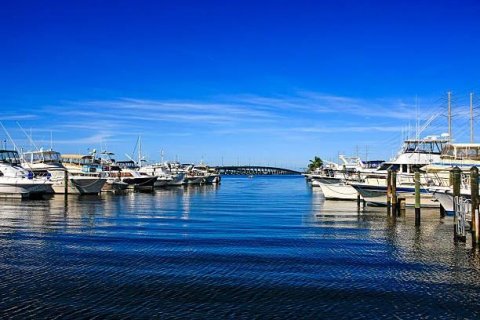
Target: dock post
389	188
474	200
456	180
402	204
358	200
65	181
417	198
394	193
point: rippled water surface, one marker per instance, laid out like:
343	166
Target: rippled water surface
267	247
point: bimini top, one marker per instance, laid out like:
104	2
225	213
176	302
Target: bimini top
78	158
41	156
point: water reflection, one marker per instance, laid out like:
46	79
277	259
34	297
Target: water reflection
251	248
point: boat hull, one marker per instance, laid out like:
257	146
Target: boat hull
80	185
377	195
338	191
23	188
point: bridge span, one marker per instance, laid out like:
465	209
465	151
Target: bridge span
254	170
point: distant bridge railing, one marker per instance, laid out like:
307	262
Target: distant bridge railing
254	170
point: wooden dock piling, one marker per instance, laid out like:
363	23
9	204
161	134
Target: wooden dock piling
389	188
417	198
395	208
65	181
456	181
474	201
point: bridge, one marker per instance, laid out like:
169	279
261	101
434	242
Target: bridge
254	170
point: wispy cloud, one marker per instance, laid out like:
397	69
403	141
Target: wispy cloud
17	117
223	122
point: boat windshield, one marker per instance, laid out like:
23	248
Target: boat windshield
424	146
10	157
127	164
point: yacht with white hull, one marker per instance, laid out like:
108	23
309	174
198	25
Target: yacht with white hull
85	175
17	182
164	174
334	180
461	155
415	154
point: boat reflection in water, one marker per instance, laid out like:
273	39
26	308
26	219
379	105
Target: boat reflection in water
250	248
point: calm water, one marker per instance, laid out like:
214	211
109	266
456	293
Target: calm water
267	247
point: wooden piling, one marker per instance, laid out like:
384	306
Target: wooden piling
417	198
474	200
456	181
65	181
394	192
402	204
389	187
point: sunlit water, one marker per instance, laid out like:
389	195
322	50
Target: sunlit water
267	247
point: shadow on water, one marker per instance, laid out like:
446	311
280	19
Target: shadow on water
263	247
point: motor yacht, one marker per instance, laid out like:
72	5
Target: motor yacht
16	181
415	154
84	173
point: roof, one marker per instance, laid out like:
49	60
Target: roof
75	156
466	145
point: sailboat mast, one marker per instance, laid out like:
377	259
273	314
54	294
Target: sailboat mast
450	116
471	117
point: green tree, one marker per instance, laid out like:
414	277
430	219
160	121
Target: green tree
315	164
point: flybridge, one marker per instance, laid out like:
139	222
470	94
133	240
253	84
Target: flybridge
430	145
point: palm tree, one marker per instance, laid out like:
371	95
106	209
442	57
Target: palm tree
315	164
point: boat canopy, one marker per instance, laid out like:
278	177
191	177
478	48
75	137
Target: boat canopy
42	157
461	151
10	157
77	159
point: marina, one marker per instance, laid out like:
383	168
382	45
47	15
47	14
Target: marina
225	250
239	160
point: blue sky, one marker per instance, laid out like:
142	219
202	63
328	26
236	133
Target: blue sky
259	82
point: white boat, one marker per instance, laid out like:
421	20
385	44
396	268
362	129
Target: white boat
338	191
334	180
17	182
461	155
415	154
165	175
128	172
84	173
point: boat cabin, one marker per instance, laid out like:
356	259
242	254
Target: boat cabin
87	163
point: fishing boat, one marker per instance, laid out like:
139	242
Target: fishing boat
415	154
